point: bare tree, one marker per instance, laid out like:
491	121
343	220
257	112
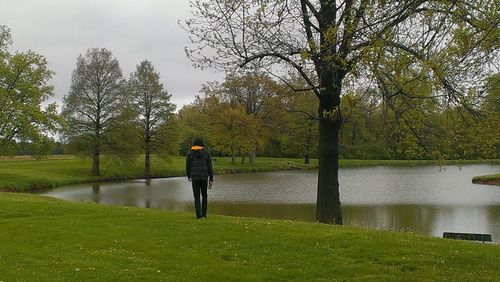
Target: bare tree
94	103
330	44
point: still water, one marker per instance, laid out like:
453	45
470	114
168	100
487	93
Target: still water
425	200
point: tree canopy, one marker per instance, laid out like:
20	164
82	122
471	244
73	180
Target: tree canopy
95	105
154	112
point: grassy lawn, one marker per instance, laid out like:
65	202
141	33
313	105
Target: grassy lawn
25	174
46	239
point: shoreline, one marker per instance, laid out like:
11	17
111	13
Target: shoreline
491	179
495	182
32	176
169	169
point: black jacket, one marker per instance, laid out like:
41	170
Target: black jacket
199	165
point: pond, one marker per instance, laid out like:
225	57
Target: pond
426	200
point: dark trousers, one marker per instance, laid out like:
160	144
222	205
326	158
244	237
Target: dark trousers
200	187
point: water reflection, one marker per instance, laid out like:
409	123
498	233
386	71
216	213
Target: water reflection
422	200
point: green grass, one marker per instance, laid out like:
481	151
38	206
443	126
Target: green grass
21	174
46	239
487	179
26	175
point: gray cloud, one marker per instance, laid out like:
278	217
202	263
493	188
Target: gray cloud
133	30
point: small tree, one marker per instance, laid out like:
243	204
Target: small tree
95	105
154	111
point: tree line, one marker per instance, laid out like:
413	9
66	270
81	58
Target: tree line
251	114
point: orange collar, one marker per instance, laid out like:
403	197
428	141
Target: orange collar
196	148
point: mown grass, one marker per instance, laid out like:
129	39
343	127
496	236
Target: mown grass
47	239
22	174
493	179
27	175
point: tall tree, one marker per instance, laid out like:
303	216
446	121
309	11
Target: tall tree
154	111
24	86
329	43
254	92
95	104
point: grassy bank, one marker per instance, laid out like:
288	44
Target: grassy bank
491	179
22	174
47	239
26	175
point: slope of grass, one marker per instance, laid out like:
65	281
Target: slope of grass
47	239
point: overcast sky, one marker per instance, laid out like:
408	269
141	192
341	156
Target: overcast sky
136	30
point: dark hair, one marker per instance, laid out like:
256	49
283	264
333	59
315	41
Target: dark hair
198	142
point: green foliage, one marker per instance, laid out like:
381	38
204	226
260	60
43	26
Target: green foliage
194	123
298	135
258	96
24	78
236	117
376	124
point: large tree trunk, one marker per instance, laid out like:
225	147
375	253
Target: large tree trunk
328	209
330	74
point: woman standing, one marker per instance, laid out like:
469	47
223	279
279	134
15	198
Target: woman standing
200	172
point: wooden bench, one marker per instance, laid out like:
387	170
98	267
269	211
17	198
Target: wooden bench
468	236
